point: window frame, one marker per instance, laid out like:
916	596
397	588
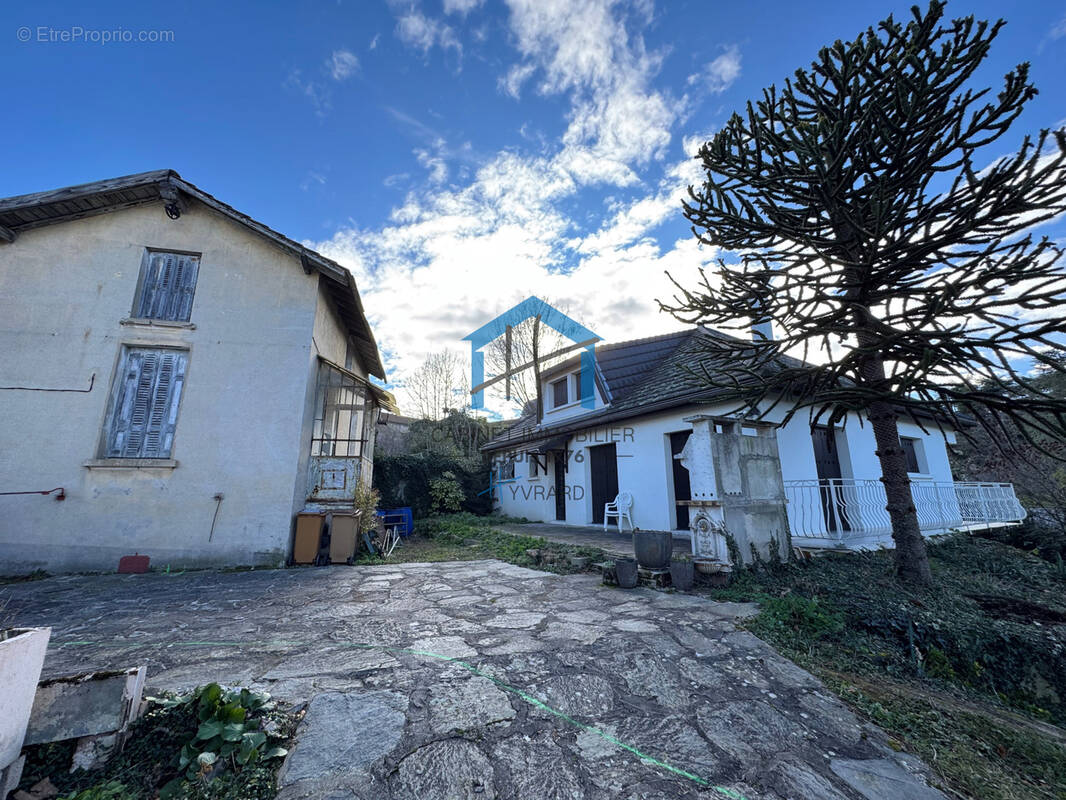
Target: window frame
915	456
142	278
115	395
507	468
553	385
333	380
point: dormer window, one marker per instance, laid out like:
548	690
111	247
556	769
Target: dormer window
560	392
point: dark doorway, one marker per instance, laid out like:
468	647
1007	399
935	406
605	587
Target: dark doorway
827	461
560	484
603	465
682	488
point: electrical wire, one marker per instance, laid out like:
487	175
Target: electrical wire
92	381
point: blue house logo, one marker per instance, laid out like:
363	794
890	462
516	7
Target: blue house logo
530	308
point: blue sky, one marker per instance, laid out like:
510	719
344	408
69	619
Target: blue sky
457	155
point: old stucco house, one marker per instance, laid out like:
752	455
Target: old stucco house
566	464
181	378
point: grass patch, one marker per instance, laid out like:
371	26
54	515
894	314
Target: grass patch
963	673
468	537
150	760
977	755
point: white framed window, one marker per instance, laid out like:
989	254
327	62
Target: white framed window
534	465
507	468
560	391
166	286
143	407
914	450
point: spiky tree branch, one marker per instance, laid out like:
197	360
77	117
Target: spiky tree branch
865	227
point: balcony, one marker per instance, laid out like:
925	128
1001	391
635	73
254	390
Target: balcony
849	513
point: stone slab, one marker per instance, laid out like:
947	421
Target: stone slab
85	705
876	779
342	734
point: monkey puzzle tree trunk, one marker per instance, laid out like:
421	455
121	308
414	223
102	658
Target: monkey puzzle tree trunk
863	209
912	561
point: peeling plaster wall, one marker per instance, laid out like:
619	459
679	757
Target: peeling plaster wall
63	291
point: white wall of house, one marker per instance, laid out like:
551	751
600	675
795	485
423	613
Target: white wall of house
644	464
65	290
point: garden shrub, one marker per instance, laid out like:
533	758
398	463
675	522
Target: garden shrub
446	493
406	480
994	622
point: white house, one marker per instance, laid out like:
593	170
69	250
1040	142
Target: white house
565	466
180	378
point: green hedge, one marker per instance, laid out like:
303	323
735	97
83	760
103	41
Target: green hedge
405	480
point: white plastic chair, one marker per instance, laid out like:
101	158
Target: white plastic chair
619	509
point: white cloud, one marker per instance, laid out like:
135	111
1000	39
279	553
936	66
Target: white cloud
342	64
461	6
511	83
417	30
433	160
312	178
1058	30
720	74
456	252
316	93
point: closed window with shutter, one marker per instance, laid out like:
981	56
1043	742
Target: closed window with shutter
167	286
144	403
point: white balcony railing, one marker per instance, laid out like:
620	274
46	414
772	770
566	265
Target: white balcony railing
845	509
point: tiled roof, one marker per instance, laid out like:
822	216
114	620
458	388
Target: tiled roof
672	369
626	364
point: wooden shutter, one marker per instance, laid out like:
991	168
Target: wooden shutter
145	403
167	286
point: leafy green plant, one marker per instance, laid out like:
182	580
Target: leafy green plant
112	790
938	665
365	501
404	480
229	733
446	492
801	618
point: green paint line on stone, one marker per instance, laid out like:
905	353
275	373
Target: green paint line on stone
723	790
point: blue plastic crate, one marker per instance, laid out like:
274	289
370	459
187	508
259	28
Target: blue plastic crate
400	518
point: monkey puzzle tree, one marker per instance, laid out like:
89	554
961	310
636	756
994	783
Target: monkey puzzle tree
860	221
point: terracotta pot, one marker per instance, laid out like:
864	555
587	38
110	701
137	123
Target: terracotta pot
653	548
625	569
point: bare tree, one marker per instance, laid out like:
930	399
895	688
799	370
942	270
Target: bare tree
867	229
438	386
528	344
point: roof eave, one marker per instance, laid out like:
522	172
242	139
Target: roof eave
162	185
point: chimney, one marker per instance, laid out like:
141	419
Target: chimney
762	331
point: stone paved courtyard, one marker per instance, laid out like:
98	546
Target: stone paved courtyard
610	541
483	680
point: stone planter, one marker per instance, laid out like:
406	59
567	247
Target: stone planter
21	658
625	570
653	548
682	574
